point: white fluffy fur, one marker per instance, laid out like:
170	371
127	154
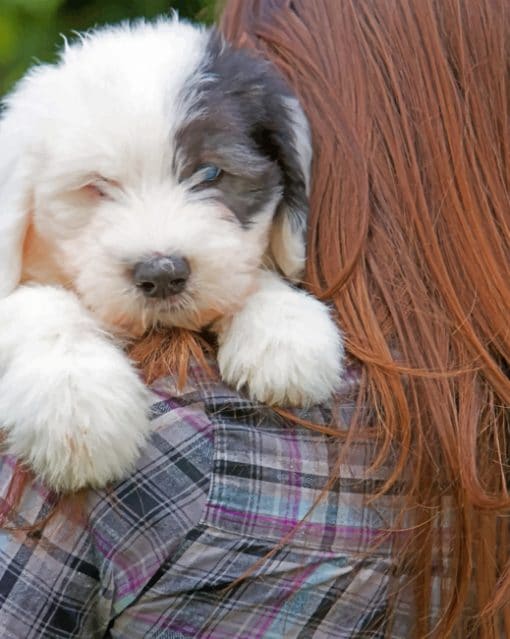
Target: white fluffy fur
282	346
70	401
102	121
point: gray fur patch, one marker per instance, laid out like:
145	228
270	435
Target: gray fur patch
239	122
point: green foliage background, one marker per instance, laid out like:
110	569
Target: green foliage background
30	29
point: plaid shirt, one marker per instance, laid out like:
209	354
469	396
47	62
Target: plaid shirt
220	484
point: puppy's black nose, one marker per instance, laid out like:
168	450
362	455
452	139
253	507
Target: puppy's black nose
162	276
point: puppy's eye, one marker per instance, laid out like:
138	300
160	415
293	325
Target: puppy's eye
100	187
207	174
94	190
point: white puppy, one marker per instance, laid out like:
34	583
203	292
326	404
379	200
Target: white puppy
154	176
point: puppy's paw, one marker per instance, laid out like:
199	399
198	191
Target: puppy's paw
71	404
78	419
283	347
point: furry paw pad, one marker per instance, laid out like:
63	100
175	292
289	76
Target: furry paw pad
283	349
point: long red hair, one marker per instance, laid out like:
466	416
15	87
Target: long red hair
409	238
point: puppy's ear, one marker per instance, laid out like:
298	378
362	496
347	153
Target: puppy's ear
15	203
289	134
250	88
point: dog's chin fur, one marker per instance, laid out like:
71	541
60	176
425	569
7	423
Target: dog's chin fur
102	167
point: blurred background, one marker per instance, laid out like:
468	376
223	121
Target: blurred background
30	29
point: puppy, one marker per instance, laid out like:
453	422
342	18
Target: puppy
154	176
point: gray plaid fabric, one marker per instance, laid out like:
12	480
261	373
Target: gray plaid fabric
219	485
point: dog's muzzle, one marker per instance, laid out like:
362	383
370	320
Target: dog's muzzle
162	276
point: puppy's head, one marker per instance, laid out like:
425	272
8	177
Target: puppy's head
152	170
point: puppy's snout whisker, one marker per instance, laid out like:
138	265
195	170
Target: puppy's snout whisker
162	276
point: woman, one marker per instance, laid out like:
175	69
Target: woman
392	522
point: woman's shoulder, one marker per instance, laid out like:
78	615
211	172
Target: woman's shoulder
221	482
217	460
283	527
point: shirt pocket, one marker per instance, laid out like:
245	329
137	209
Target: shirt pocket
272	481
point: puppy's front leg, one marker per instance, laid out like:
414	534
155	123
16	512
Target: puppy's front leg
283	346
71	404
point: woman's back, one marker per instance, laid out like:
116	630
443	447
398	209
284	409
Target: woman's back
410	240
